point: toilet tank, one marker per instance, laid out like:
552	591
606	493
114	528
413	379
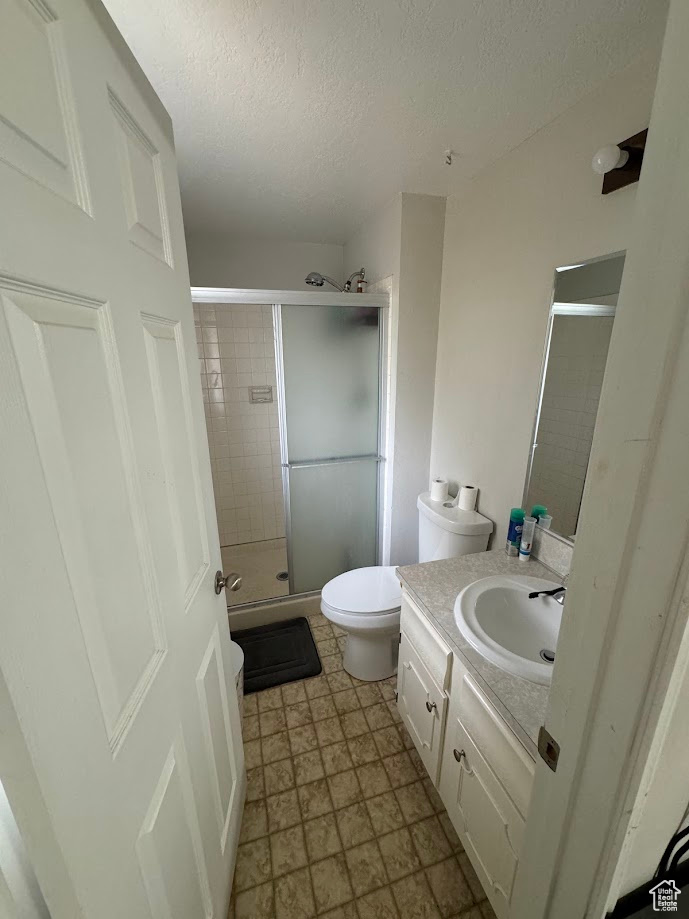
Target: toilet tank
446	531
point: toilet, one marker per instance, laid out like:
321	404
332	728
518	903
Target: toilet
366	602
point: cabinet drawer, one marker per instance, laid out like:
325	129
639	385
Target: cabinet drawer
506	757
435	654
489	825
422	705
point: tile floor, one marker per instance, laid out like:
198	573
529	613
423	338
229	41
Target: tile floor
342	820
258	563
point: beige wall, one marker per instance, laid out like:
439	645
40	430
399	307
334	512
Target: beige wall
423	229
401	244
538	207
662	806
230	261
376	244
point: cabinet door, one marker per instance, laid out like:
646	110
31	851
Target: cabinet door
489	825
422	704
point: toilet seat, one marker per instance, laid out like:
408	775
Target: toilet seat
364	591
363	622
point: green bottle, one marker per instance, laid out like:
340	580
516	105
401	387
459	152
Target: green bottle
539	510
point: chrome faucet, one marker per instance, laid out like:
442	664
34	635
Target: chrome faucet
558	594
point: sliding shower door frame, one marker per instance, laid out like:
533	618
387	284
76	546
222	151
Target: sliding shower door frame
277	299
356	300
270	297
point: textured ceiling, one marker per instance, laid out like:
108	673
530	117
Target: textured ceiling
296	118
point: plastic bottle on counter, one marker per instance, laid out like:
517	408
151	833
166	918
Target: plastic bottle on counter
527	539
514	532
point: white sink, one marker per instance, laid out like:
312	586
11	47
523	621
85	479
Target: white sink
496	616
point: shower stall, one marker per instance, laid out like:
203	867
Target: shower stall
295	398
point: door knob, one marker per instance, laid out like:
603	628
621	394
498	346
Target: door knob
430	706
459	755
233	581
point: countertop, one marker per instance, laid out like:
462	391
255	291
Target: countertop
434	586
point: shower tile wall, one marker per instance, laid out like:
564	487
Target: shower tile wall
236	350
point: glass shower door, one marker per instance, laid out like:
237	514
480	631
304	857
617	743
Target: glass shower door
330	427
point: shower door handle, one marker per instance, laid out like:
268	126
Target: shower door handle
233	581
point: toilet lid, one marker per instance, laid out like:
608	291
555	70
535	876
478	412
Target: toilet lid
365	590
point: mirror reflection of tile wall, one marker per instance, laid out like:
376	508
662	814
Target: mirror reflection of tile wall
579	333
576	363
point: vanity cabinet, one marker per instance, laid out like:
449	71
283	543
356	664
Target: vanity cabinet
485	784
423	674
482	771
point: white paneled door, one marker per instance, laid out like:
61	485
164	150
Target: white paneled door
120	744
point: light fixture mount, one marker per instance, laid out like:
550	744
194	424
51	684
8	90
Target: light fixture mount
620	164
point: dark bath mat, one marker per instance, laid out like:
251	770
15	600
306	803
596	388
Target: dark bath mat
278	653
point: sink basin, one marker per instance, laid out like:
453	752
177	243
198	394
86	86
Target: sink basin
496	616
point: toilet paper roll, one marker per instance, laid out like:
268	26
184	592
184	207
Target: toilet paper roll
439	490
467	498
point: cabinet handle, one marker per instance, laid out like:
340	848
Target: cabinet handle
459	755
430	706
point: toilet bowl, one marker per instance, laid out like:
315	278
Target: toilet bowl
366	603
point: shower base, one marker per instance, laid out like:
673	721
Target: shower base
258	564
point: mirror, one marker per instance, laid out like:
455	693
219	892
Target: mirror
577	342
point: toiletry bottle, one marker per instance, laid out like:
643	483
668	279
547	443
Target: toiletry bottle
527	539
538	511
514	532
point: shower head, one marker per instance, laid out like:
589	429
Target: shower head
314	279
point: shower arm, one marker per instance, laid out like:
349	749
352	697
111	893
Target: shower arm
355	274
333	283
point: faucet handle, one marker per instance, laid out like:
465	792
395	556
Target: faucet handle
550	593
